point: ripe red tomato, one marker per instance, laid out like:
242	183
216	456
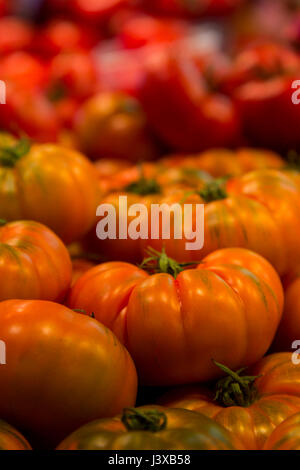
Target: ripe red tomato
62	35
262	79
15	34
250	407
34	263
72	74
63	369
97	10
181	108
23	71
174	321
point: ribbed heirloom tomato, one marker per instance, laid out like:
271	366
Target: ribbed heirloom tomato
63	369
250	406
11	439
174	321
286	436
152	428
258	211
47	183
34	263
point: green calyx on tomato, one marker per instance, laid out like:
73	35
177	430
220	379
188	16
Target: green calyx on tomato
159	262
146	420
234	389
214	190
2	222
12	151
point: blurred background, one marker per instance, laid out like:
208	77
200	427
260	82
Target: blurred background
136	79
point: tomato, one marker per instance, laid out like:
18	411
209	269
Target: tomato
15	35
224	162
72	74
49	184
63	369
258	211
173	326
11	439
113	125
34	263
249	406
289	328
23	70
262	81
142	30
194	8
286	435
29	112
61	35
145	184
151	428
96	10
181	108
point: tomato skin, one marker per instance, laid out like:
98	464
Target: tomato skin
75	73
278	398
96	11
70	210
59	363
259	213
224	162
23	70
11	439
79	267
140	308
34	263
15	35
63	35
289	328
113	125
286	435
185	430
180	108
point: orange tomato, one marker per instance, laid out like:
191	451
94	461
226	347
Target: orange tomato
174	321
63	369
34	263
249	406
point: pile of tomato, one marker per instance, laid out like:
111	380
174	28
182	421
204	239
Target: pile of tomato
121	343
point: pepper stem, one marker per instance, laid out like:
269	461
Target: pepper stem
234	389
144	420
159	262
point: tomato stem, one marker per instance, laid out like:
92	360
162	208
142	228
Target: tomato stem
214	190
10	154
234	389
159	262
144	420
143	186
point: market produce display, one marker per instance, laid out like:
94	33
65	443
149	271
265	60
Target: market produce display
149	225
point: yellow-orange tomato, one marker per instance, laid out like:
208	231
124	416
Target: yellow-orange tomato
11	439
223	162
63	369
152	428
227	308
113	125
258	211
289	328
50	184
34	263
250	411
286	436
